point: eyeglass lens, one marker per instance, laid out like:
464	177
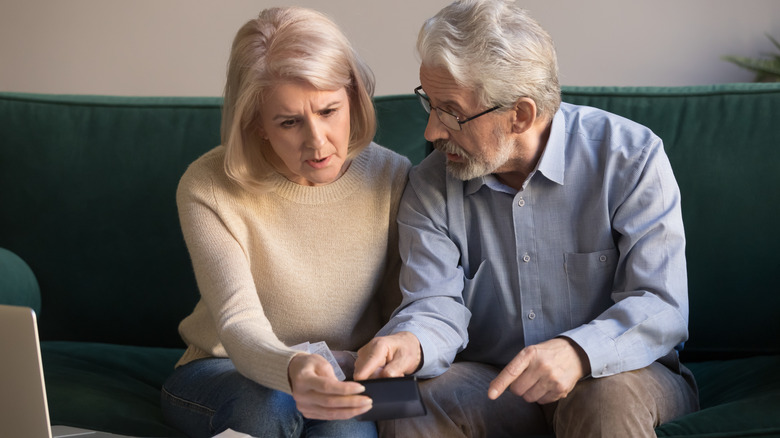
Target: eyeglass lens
447	119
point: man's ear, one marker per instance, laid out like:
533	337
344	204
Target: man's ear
524	115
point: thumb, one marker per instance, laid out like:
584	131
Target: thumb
322	367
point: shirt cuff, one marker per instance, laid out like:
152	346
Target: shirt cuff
600	349
431	366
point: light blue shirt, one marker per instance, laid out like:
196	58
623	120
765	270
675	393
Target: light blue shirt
592	248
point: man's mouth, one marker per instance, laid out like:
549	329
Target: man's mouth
451	151
454	157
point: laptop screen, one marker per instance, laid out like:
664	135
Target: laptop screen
23	408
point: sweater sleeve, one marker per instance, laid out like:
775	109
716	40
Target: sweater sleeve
225	280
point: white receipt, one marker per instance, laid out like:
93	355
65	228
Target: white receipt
230	433
322	349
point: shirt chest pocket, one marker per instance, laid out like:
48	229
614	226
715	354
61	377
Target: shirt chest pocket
590	278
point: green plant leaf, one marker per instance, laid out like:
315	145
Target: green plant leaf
771	66
766	69
774	41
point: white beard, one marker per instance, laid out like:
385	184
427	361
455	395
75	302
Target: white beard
475	166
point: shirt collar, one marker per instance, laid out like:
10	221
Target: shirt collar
551	164
553	161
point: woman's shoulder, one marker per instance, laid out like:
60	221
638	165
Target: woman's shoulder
382	159
208	162
207	172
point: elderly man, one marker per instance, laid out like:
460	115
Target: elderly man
544	274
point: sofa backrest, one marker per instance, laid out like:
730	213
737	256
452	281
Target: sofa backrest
87	199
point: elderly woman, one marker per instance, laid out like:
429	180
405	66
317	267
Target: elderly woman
290	225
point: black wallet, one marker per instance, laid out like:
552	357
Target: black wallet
396	397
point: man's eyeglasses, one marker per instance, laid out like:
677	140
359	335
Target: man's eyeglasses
447	119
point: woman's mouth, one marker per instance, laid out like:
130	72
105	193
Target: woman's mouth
319	163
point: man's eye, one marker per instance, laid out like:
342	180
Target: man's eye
452	113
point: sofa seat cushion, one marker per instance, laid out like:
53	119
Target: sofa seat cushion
739	398
114	388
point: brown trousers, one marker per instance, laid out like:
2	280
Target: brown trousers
629	404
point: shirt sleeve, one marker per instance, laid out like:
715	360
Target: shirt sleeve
649	317
431	279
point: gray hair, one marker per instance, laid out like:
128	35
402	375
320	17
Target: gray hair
495	48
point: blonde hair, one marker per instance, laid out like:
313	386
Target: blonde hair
495	48
285	44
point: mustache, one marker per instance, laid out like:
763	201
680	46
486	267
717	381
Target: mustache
448	147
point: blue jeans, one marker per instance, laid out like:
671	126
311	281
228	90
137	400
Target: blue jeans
205	397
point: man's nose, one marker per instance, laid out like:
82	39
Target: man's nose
435	129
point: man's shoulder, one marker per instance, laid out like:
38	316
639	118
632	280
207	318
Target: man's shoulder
592	124
431	171
595	119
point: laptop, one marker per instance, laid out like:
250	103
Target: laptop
24	411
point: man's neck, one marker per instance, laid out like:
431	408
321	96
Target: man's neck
530	147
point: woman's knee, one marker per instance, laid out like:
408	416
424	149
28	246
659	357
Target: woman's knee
211	396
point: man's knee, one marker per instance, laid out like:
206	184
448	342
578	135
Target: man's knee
634	401
619	392
614	404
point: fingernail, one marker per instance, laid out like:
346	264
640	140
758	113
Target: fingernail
492	394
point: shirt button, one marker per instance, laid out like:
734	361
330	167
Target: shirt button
521	202
603	258
526	258
531	315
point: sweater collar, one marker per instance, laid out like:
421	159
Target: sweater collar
337	190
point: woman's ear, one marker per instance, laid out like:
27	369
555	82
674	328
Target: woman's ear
261	132
524	112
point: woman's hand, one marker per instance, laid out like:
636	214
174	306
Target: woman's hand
319	394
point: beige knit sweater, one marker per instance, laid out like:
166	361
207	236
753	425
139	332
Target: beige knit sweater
296	264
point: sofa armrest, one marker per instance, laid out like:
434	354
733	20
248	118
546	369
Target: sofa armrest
18	285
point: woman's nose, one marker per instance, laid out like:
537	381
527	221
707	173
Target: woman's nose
317	137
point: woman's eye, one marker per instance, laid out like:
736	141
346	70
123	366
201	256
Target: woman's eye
328	112
288	123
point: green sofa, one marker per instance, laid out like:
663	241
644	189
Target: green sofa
90	239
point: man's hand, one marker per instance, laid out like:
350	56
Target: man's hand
395	355
319	394
346	361
542	373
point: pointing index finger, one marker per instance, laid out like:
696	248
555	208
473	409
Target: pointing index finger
509	374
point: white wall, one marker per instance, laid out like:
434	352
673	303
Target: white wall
180	47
